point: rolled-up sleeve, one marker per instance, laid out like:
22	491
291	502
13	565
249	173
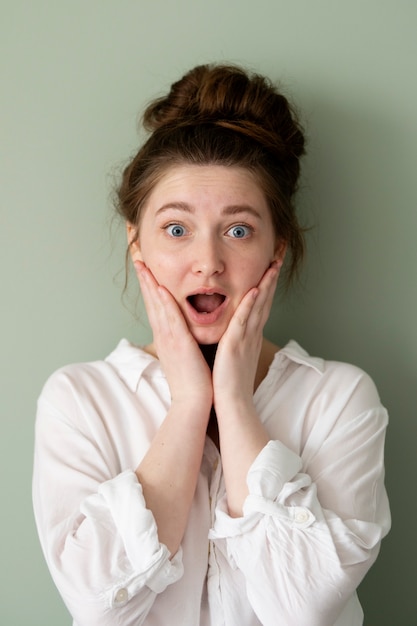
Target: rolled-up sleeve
99	539
312	528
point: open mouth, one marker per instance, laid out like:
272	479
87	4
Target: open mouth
206	302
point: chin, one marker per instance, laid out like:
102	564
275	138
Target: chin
207	336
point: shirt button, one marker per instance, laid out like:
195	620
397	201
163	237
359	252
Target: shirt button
215	464
301	517
121	596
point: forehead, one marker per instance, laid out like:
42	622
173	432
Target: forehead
220	184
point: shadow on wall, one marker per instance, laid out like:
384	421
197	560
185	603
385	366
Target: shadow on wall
357	302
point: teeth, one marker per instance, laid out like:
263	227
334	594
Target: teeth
206	302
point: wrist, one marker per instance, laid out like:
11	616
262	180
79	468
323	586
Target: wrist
234	404
191	407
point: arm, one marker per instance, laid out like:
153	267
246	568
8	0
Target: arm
99	540
314	518
242	435
168	473
303	531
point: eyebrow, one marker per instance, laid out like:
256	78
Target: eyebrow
232	209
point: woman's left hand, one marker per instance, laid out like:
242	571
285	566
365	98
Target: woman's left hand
242	436
239	349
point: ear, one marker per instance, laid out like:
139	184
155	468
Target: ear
133	242
280	252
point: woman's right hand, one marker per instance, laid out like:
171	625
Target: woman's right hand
188	375
168	473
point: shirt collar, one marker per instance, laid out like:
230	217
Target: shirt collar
294	352
131	362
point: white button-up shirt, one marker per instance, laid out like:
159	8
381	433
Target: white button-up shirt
312	524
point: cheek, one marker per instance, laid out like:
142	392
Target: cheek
252	273
164	270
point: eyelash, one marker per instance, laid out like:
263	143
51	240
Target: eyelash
173	225
244	226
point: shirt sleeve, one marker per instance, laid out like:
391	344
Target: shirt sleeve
311	527
99	539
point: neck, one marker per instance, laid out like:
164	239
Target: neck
209	353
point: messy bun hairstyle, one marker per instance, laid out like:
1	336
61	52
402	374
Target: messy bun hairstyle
222	115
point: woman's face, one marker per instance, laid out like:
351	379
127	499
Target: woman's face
206	234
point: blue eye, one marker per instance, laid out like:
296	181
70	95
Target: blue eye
240	231
175	230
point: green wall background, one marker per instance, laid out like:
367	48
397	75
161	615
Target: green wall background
73	77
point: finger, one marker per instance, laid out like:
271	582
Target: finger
270	277
266	287
237	328
149	290
171	312
254	309
163	312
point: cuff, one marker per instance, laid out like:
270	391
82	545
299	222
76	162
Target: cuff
149	559
274	466
269	482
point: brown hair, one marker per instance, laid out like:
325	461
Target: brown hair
222	115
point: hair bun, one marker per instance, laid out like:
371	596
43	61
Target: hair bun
228	96
222	115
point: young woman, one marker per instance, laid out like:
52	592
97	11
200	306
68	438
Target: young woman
211	478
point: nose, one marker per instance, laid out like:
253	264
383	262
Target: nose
208	258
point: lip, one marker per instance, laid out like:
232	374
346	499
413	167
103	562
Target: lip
206	319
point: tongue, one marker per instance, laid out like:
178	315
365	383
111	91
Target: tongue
206	304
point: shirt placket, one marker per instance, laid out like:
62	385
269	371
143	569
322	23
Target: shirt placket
214	570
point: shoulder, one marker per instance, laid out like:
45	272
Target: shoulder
328	381
74	376
123	367
70	390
